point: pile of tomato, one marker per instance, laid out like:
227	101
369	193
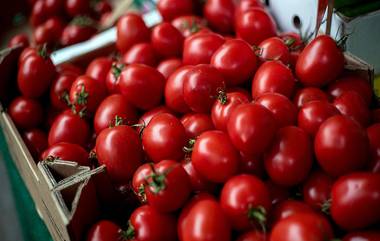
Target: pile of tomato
212	126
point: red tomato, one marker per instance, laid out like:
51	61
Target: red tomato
166	40
309	94
282	108
251	128
53	7
141	53
104	230
147	116
168	66
69	68
142	85
274	77
288	208
174	97
290	158
355	200
198	182
77	7
317	189
131	29
363	236
203	219
102	7
341	146
119	148
139	180
113	77
293	40
69	127
36	141
246	202
220	15
78	30
251	165
189	24
353	105
274	49
202	85
199	48
21	40
214	156
320	62
374	142
245	5
59	90
38	15
164	138
49	32
68	152
236	61
277	193
98	69
254	26
314	113
170	9
252	236
114	108
26	113
196	123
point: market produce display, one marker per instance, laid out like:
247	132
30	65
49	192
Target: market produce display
212	125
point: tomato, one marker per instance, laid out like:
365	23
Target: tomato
355	199
282	108
214	157
196	123
142	85
114	108
274	77
254	26
199	48
236	61
104	230
38	15
316	190
170	9
189	24
78	30
274	48
69	127
302	227
203	219
246	202
21	40
164	138
77	7
220	15
166	40
102	7
69	68
198	182
252	236
120	149
293	40
35	73
202	85
309	94
68	152
353	105
148	224
113	77
288	208
131	29
168	66
174	96
98	69
374	142
141	53
313	114
36	141
251	165
59	90
147	116
139	180
320	62
26	113
362	236
290	158
245	5
49	32
277	193
251	128
341	146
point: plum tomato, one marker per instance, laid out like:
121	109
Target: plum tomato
374	142
78	30
274	48
309	94
245	5
166	40
141	53
98	69
67	68
77	7
288	208
26	113
220	15
168	66
104	230
36	141
316	190
170	9
174	96
139	180
68	152
21	40
196	123
49	32
147	116
189	24
60	89
198	182
113	77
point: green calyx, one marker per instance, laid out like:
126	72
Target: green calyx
43	51
325	207
289	42
189	148
258	214
157	182
222	97
81	97
117	69
128	234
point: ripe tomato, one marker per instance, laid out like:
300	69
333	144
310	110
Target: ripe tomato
374	142
131	29
202	85
364	236
189	24
36	141
170	9
314	113
341	146
254	26
68	152
119	148
164	138
38	15
113	77
49	32
69	127
174	97
251	128
198	182
317	189
220	15
355	199
252	236
236	61
104	230
290	158
98	69
147	116
78	30
246	202
142	85
139	180
114	108
59	90
168	66
166	40
141	53
26	113
282	108
203	219
214	156
102	8
353	105
67	68
274	77
245	5
196	123
320	62
77	7
288	208
21	40
309	94
274	48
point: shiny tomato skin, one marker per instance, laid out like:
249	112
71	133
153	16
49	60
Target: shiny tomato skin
353	105
98	69
282	108
142	85
170	9
73	34
77	7
245	5
320	62
141	53
241	196
236	61
168	66
19	39
69	68
113	77
68	152
254	26
104	230
166	40
198	182
164	138
252	236
251	128
374	142
26	113
131	29
350	155
36	141
196	123
174	96
120	149
59	90
147	116
363	236
49	32
139	180
38	15
355	199
274	77
220	15
274	48
309	94
316	189
288	208
109	108
189	24
313	114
